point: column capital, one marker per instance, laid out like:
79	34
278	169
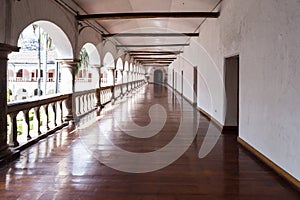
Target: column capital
6	49
68	62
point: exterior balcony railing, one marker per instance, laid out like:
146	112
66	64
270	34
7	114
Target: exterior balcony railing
33	79
84	80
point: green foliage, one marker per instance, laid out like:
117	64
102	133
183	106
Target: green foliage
19	126
8	95
84	60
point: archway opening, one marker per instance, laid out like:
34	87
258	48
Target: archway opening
107	71
35	65
88	68
158	76
119	70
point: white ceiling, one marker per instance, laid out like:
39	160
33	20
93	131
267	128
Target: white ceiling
177	25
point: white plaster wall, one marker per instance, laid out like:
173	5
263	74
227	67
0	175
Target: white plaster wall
270	79
188	79
210	79
266	35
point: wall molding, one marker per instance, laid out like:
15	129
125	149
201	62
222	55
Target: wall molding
203	112
209	117
281	172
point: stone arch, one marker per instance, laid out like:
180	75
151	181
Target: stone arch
61	41
131	67
62	44
94	56
121	54
119	64
108	49
107	69
88	35
89	75
126	66
63	49
119	70
109	61
126	71
28	13
126	59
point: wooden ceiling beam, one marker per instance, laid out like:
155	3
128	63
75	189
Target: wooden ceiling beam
145	15
156	65
155	52
151	35
144	61
151	58
147	54
151	45
153	63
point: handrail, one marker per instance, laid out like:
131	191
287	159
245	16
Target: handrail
77	105
34	102
14	108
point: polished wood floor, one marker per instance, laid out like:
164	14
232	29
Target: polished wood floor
67	166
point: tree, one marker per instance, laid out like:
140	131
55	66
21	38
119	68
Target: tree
83	62
45	43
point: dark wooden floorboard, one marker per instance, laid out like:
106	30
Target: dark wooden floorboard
63	167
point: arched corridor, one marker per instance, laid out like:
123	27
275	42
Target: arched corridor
149	99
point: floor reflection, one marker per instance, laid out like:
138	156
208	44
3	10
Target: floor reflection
63	166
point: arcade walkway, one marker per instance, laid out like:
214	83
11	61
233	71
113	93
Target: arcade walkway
67	165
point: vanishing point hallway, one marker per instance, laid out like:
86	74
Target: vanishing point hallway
69	165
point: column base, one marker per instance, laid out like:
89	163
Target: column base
7	155
69	118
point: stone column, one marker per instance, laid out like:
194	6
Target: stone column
4	51
98	103
128	81
114	83
67	85
122	81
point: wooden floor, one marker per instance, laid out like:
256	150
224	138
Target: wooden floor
67	166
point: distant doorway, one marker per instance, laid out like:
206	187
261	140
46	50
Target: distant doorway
158	76
173	76
231	74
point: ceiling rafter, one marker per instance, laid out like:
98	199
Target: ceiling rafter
144	61
143	15
152	58
151	55
159	62
156	65
151	35
151	45
155	52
